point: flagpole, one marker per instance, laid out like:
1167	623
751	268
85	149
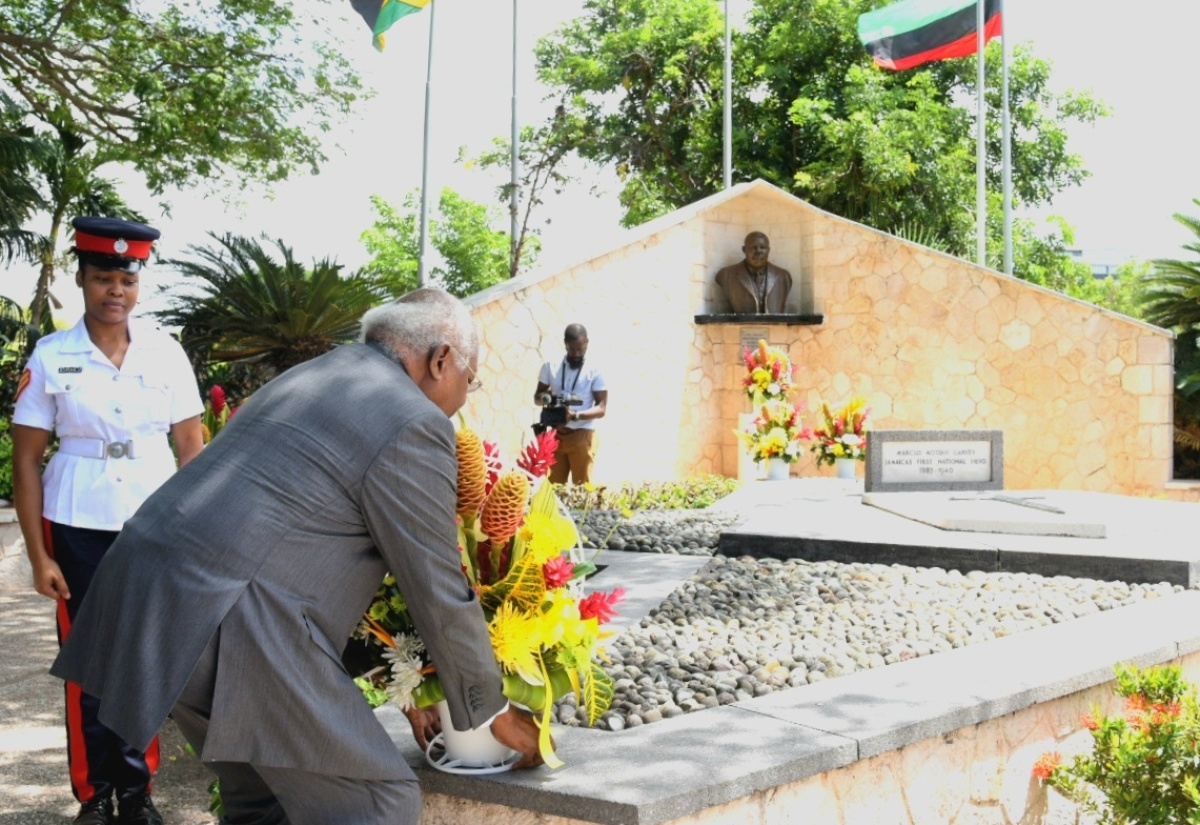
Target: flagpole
424	236
980	140
728	128
514	198
1006	136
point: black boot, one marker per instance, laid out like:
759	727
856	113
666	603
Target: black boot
137	809
97	811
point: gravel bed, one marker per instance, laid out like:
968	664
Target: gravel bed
744	627
684	532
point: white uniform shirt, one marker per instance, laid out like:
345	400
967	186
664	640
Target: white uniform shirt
584	382
74	390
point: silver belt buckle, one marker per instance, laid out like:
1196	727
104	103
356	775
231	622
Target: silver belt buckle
117	449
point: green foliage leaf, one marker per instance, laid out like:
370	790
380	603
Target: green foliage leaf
597	691
181	90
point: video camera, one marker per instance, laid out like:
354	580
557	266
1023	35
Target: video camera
554	410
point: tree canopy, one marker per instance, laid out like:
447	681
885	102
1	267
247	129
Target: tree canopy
182	91
473	255
811	113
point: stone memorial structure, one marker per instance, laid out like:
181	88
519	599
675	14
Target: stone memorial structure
1082	394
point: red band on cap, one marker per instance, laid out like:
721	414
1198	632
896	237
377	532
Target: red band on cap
122	247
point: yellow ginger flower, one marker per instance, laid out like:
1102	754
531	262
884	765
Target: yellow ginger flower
504	507
472	472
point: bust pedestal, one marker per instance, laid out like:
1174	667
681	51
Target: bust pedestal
786	318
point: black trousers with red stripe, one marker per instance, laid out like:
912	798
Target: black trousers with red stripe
101	763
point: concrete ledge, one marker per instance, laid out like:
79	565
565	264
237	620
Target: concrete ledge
679	767
1146	540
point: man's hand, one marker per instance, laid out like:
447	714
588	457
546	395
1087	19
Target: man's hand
425	724
517	729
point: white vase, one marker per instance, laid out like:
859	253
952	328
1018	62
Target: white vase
777	469
845	467
476	748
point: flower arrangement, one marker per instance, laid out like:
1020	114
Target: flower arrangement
776	432
769	374
842	434
513	539
216	413
1144	765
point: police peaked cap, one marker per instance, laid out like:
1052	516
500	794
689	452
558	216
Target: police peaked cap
115	237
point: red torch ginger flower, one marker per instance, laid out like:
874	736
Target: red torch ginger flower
217	396
1046	766
600	606
557	571
538	457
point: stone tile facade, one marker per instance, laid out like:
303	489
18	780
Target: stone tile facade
1083	395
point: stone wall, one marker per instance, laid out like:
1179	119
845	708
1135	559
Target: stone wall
981	774
1083	395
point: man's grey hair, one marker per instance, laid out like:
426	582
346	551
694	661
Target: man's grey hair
419	321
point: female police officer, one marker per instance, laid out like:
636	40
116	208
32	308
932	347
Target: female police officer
111	389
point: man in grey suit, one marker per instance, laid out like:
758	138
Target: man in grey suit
234	589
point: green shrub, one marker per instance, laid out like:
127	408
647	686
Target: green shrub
1144	767
693	493
6	472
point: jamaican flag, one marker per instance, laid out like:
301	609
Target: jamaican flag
913	32
381	14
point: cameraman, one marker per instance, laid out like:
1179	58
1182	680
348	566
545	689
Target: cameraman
583	392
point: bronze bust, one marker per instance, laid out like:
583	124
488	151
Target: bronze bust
754	286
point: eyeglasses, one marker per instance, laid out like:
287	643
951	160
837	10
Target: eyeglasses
473	382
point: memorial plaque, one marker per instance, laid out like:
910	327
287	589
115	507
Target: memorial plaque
750	338
915	460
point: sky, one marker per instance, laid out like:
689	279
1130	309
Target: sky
1144	159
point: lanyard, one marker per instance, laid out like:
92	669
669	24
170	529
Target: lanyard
562	378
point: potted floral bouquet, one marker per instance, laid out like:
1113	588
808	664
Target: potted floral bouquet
514	541
841	434
768	374
777	432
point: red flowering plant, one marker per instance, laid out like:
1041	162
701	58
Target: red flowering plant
1145	764
216	413
517	548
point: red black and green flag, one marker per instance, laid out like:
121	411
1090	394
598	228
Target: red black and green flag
381	14
913	32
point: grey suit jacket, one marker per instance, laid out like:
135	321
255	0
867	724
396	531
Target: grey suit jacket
279	533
